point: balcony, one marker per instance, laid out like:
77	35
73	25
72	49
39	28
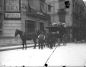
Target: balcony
61	12
36	14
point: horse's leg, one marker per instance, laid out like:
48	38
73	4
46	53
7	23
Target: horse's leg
34	43
48	43
39	44
42	44
51	44
25	44
22	44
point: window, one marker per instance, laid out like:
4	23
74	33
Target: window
49	8
12	5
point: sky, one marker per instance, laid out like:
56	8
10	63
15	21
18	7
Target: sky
69	55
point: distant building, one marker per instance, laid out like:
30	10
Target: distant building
79	19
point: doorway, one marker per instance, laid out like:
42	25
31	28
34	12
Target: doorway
30	27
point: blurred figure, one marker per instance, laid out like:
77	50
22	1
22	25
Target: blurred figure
61	32
41	40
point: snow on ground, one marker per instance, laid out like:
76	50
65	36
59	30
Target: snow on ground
69	55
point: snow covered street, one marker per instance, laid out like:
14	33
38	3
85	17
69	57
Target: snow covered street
69	55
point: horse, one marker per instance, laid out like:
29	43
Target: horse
24	37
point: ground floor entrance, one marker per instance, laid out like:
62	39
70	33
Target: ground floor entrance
30	27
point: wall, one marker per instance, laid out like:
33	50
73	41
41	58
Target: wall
68	17
9	27
54	10
12	17
78	12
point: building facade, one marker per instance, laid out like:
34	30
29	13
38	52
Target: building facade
72	13
25	15
54	9
79	19
60	14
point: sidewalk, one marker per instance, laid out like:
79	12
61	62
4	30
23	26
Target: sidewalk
15	47
12	43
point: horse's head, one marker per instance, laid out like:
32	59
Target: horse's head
16	32
21	33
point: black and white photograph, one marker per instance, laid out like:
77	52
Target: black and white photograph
42	33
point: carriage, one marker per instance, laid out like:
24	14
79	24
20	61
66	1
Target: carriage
56	34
